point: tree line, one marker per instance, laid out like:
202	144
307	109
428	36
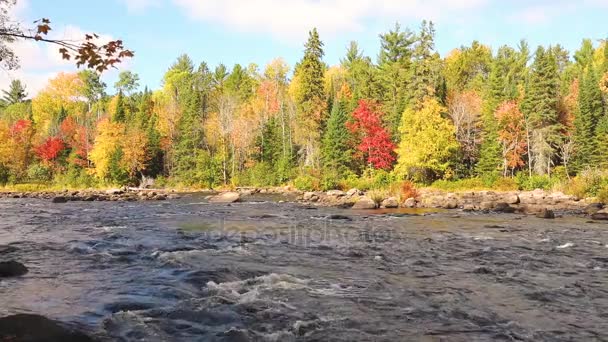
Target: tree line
407	114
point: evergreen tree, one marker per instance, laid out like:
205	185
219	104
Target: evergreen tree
336	150
601	143
362	76
394	63
540	107
425	76
309	98
499	89
589	113
15	94
120	112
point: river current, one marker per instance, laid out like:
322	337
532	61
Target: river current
186	270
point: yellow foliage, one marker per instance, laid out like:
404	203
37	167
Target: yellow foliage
109	138
62	92
134	148
6	144
428	142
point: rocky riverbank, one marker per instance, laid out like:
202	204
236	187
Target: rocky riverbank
538	202
115	195
526	202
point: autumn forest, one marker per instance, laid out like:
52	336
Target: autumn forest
480	116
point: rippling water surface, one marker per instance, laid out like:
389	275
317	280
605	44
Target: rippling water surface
191	271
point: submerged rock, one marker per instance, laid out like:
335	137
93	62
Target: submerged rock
546	214
12	269
59	199
226	197
365	203
7	249
339	217
34	328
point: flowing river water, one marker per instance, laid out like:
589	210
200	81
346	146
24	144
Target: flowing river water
185	270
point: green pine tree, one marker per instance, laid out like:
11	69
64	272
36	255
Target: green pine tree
336	151
310	99
589	113
394	64
120	114
15	94
540	107
601	143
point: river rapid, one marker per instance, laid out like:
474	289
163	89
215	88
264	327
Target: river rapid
186	270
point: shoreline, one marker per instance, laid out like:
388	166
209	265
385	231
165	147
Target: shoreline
525	202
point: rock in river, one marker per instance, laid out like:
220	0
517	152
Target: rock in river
601	215
34	328
59	199
365	203
226	197
546	214
12	269
390	203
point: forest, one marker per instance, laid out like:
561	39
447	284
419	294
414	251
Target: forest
511	117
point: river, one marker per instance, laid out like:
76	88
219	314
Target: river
186	270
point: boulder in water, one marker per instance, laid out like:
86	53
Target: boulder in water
365	203
59	199
502	207
593	208
546	214
410	203
12	269
34	328
601	215
390	203
226	197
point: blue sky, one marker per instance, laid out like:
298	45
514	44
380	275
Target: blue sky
244	31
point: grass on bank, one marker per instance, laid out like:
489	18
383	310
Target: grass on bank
379	184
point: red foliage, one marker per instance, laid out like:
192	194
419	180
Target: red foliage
375	143
20	127
75	137
50	149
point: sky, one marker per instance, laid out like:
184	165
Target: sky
246	31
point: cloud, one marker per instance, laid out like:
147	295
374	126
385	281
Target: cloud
137	6
41	61
287	19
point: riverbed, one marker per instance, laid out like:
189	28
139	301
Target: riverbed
187	270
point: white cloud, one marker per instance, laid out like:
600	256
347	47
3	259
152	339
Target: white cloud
41	61
287	19
135	6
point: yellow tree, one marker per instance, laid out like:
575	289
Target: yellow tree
108	140
135	153
63	94
428	143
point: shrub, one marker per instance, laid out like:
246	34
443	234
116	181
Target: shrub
39	173
378	195
75	177
306	183
4	175
589	183
330	180
526	182
408	190
602	195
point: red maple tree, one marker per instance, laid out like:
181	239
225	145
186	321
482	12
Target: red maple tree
375	144
49	150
